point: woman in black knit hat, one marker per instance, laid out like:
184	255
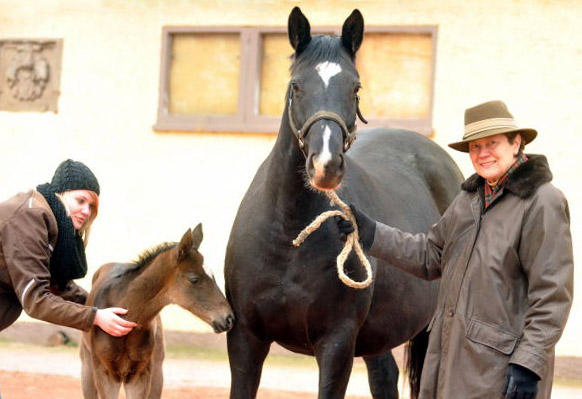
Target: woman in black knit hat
43	234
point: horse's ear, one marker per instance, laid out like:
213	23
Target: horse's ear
185	245
353	32
299	30
197	236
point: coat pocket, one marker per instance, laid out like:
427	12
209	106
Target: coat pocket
492	336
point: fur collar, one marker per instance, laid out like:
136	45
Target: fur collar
523	182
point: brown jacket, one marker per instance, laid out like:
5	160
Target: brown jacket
507	283
28	234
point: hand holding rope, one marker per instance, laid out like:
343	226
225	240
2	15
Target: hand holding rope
352	242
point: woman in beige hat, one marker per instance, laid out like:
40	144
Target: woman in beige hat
503	250
43	234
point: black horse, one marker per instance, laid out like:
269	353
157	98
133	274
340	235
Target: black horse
293	296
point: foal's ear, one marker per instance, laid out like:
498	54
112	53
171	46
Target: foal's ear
197	236
299	30
353	32
185	245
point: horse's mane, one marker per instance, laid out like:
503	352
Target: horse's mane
146	256
321	48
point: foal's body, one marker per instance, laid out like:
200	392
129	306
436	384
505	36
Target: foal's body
169	274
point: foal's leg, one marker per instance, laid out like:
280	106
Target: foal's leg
138	387
87	381
246	355
157	379
107	387
382	376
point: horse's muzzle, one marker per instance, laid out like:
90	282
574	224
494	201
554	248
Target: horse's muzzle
328	175
224	324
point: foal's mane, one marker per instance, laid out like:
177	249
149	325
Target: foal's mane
321	48
149	254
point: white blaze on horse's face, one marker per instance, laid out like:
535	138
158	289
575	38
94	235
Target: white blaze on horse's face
327	70
325	156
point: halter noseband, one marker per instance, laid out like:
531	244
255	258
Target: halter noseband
350	135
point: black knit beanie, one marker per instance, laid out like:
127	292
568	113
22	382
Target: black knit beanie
74	175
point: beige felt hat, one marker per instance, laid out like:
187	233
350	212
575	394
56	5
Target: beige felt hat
489	119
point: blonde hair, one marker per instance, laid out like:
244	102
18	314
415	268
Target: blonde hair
86	229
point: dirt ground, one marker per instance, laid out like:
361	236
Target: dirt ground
17	385
34	364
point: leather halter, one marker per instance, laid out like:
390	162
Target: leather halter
349	135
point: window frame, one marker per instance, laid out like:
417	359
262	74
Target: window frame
247	119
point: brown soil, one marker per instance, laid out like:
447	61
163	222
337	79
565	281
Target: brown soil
25	385
16	385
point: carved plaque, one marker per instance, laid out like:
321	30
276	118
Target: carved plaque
30	72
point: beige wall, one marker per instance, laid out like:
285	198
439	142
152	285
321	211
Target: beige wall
156	185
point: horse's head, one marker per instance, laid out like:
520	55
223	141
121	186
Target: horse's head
322	98
194	288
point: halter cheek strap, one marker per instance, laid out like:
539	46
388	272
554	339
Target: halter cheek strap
350	135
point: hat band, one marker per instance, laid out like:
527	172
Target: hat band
488	124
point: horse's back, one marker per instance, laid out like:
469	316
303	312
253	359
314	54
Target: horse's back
405	161
104	281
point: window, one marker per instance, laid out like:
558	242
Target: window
233	79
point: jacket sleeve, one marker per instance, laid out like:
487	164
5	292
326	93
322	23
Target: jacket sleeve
546	258
418	254
25	242
72	293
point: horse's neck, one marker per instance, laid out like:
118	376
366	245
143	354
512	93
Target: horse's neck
145	296
286	171
285	182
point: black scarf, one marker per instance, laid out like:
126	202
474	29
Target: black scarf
68	259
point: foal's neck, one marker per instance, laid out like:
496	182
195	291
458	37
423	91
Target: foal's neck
146	294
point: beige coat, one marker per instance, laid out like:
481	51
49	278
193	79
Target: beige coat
28	234
506	288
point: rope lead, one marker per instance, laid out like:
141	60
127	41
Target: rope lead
352	242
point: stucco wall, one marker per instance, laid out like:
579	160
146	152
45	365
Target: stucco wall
156	185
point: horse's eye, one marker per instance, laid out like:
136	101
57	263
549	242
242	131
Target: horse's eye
295	87
193	279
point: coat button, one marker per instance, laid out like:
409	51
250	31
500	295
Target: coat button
451	313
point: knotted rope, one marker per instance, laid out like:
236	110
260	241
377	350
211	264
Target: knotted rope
352	241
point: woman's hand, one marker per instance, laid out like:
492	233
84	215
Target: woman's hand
109	321
366	227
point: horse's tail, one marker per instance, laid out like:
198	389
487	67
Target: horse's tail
415	353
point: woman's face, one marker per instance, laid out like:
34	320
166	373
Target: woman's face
492	156
81	206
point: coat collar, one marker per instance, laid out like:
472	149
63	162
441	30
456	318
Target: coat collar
523	182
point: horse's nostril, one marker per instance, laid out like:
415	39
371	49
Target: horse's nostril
229	322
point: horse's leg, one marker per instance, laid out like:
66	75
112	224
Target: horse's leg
138	387
335	357
87	381
382	376
107	387
246	355
157	379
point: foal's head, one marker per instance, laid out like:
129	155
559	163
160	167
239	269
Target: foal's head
193	288
323	96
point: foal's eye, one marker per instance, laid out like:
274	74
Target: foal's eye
193	279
